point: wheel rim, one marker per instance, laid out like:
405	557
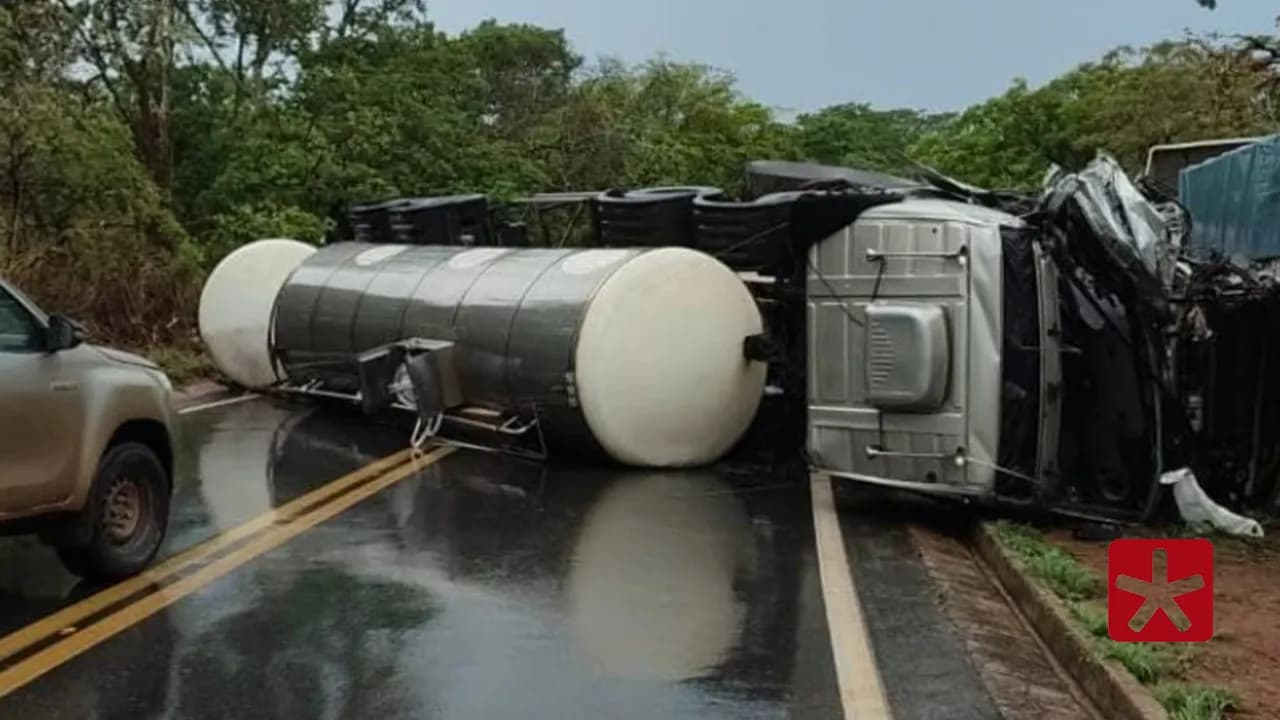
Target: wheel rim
126	503
401	387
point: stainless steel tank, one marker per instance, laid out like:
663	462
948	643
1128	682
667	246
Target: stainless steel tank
639	351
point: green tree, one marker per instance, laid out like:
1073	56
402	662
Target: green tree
1175	91
660	123
79	214
146	137
131	46
856	135
1006	142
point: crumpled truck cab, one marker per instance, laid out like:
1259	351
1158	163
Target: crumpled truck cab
955	349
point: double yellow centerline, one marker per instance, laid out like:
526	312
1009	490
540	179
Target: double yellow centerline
185	573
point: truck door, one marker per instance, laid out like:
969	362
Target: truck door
39	414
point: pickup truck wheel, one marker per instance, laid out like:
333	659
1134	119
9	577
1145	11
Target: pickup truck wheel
128	513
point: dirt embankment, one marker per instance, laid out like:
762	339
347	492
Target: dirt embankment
1244	655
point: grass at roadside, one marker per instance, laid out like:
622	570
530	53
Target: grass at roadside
1148	662
1159	666
1189	701
182	364
1049	563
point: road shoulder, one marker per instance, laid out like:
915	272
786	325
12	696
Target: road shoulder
1018	670
1109	687
926	668
199	393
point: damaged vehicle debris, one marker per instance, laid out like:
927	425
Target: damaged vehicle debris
1058	352
1125	354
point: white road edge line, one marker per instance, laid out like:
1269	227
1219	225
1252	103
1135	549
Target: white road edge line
861	694
219	403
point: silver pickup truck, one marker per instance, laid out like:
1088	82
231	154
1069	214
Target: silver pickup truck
86	449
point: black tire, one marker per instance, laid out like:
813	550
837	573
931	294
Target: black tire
127	514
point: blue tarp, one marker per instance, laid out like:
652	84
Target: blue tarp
1234	201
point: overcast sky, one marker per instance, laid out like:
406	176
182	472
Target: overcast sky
799	55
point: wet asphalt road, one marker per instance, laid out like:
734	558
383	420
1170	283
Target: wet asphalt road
481	587
484	586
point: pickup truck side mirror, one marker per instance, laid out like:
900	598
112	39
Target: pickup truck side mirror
60	335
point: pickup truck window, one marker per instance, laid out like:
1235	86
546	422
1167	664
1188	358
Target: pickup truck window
19	331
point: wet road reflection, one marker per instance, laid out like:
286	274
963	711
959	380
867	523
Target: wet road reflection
237	462
480	587
230	466
668	548
33	583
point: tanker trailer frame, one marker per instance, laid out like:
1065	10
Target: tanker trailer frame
418	376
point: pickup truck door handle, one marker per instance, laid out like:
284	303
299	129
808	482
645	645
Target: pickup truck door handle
64	385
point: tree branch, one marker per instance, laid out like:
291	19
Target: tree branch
239	96
194	22
95	56
137	75
349	8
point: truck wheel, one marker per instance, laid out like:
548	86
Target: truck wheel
127	514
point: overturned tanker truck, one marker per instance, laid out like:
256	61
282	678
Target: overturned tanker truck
924	335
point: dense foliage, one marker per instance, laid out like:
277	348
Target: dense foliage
1189	89
141	140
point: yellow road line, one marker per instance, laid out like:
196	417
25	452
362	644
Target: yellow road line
69	616
64	650
861	694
